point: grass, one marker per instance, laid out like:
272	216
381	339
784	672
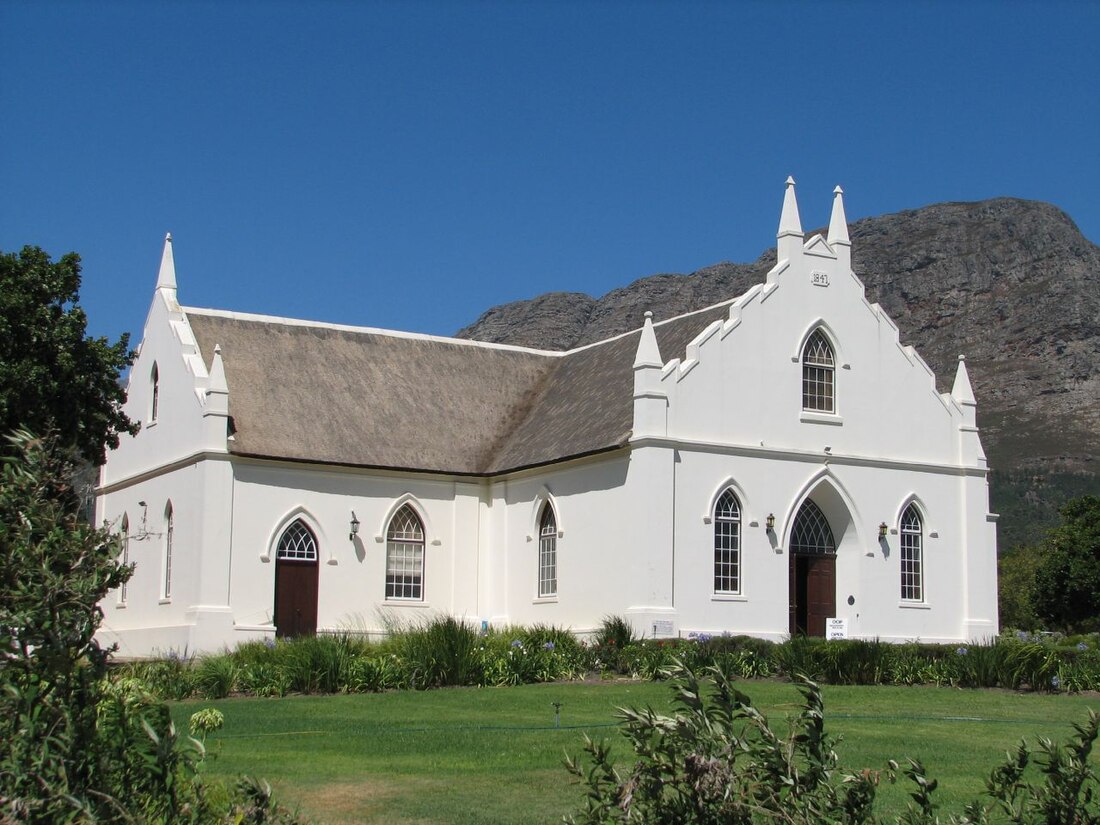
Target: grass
483	756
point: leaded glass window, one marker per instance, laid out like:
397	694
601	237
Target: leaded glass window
154	391
169	530
912	560
405	556
297	543
124	540
548	552
811	532
727	544
818	374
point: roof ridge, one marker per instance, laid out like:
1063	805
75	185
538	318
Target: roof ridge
393	333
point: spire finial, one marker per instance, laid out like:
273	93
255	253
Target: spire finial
648	354
166	277
789	222
961	390
217	373
838	223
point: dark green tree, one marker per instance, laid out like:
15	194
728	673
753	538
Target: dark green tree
1066	592
54	569
54	377
1015	579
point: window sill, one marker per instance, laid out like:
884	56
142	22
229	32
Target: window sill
165	601
148	425
545	599
808	417
915	605
405	603
120	605
728	597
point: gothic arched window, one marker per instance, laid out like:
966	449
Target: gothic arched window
297	543
912	555
727	544
548	552
811	532
405	555
818	375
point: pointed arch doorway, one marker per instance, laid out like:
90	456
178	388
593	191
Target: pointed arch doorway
812	571
296	582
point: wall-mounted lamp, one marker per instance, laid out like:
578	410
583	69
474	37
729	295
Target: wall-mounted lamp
770	522
354	527
882	528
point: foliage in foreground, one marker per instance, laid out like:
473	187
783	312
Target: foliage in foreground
446	651
716	759
75	748
53	377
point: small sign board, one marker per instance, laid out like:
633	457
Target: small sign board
819	278
836	628
662	627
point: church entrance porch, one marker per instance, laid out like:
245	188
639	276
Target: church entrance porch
812	572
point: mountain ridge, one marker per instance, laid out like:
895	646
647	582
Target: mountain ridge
1010	283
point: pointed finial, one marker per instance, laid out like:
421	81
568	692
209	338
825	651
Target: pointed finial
961	390
217	372
838	223
649	354
166	277
789	222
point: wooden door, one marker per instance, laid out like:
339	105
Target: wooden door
820	593
295	597
812	593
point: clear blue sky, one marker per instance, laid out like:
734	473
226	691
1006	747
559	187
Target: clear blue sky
408	165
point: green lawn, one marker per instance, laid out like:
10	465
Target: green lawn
492	755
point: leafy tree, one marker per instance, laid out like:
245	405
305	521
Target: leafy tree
75	748
1015	577
1067	582
53	377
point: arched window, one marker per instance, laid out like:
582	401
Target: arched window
405	556
818	376
169	528
124	556
811	532
912	560
297	543
727	544
154	392
548	552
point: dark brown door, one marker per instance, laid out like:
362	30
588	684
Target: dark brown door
812	593
295	597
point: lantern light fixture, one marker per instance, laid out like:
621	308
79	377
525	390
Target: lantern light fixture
770	521
354	527
882	528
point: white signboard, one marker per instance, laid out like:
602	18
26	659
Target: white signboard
836	628
662	627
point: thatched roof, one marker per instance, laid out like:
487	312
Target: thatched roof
372	398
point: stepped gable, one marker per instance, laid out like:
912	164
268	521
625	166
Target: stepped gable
1011	283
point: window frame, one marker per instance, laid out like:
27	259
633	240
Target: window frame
818	374
548	553
911	555
169	538
727	531
301	546
124	556
412	545
154	393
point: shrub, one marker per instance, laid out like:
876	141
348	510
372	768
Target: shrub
717	760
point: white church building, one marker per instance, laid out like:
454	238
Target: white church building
775	464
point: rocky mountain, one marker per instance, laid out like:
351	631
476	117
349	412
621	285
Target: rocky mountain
1010	283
